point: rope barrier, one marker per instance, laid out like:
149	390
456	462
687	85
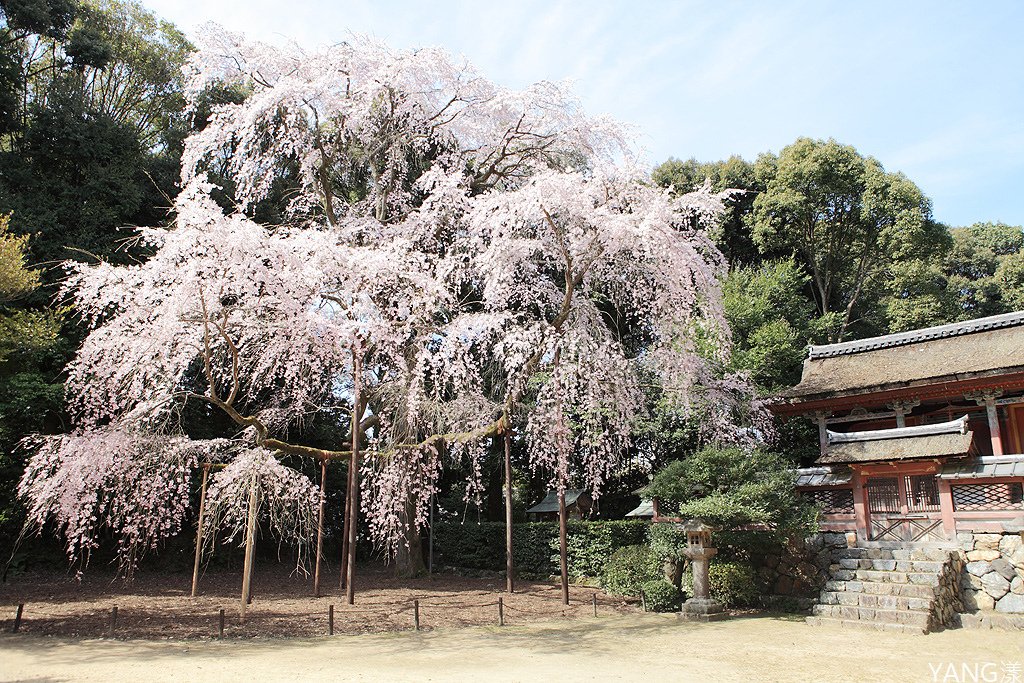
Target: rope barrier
114	622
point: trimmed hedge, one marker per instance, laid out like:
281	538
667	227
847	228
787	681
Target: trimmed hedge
535	545
662	596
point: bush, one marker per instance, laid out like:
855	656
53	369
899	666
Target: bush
629	569
662	596
733	584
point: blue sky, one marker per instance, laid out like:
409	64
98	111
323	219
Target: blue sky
932	89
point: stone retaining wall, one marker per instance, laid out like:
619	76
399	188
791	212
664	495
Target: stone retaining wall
994	574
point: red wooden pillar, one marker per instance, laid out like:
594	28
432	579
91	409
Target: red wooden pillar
860	506
946	506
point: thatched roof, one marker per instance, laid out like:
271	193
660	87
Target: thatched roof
934	355
907	448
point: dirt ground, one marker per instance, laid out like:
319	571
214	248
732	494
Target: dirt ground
637	647
159	606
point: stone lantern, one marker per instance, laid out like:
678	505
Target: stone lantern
700	607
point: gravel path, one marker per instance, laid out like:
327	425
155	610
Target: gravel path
638	647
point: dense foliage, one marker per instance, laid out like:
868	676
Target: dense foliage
482	545
661	596
732	487
629	568
734	584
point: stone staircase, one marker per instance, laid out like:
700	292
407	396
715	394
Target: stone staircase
910	589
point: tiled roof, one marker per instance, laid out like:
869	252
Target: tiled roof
823	476
550	502
985	467
644	509
992	322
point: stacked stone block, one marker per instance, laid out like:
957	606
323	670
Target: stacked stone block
994	576
910	590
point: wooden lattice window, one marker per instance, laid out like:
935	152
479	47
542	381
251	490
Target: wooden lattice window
922	493
1003	496
831	501
883	494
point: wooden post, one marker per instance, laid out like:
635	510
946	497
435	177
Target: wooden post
113	622
330	620
320	529
17	617
563	555
250	542
509	561
643	600
345	524
946	507
430	539
416	614
199	529
353	483
501	612
594	596
220	625
819	419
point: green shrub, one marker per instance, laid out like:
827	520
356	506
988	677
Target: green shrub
535	545
629	569
733	584
662	596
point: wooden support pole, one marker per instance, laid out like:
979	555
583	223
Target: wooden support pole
345	525
220	625
594	596
199	530
501	612
643	600
320	529
563	554
113	622
416	614
353	482
509	561
250	542
330	620
17	617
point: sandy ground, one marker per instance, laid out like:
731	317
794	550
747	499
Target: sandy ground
639	647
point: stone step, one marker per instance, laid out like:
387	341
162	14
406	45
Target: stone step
910	590
885	576
865	625
929	566
876	601
907	617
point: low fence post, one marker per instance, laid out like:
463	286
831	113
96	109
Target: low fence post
330	620
595	604
220	625
113	621
501	612
17	617
416	614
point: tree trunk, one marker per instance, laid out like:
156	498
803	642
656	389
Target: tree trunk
563	554
673	571
199	531
250	548
342	583
409	557
509	563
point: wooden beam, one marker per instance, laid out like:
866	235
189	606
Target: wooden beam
199	530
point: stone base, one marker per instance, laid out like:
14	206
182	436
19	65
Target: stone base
702	609
697	616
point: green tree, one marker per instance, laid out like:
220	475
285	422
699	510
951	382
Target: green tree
29	396
732	487
847	221
772	321
733	236
980	270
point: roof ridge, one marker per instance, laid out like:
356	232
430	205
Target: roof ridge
992	322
